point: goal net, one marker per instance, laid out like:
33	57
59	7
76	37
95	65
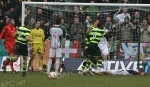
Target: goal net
127	24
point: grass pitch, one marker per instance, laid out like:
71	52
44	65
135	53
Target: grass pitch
38	79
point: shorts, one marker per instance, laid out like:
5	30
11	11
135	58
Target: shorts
93	50
104	49
38	48
21	49
10	47
55	52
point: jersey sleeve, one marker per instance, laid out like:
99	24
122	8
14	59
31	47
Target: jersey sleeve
60	32
27	33
31	36
43	36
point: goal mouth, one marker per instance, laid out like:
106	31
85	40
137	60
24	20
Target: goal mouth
76	18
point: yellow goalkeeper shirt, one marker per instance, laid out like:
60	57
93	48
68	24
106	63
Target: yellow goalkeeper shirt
37	36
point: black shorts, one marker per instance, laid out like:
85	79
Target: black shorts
21	49
93	50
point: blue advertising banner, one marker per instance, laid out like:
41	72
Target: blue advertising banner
114	65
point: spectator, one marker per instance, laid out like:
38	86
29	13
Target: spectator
120	17
125	30
27	13
136	20
63	27
4	23
108	27
19	7
93	11
76	13
109	35
77	30
55	16
13	14
87	22
9	4
32	23
145	31
1	20
46	28
39	14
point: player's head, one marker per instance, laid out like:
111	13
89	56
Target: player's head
108	19
26	22
145	21
76	20
67	36
12	21
126	19
62	20
57	21
37	24
125	10
95	22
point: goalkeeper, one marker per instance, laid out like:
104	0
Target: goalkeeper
92	52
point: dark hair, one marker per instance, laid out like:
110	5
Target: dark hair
126	18
146	19
67	36
57	21
26	22
94	21
38	20
10	20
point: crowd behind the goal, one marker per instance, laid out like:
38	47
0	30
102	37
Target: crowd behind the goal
120	26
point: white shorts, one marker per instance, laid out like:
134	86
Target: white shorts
55	52
104	49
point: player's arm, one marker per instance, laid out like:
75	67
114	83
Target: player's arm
43	36
31	37
60	32
31	34
88	30
28	38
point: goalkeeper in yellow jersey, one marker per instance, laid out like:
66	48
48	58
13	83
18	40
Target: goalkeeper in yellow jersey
37	35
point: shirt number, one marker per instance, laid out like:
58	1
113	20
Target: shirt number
20	35
94	35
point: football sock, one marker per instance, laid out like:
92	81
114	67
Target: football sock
49	66
105	64
84	65
92	65
57	65
41	62
24	67
99	64
11	65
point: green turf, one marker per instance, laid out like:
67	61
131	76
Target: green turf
37	79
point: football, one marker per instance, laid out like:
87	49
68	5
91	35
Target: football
52	75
